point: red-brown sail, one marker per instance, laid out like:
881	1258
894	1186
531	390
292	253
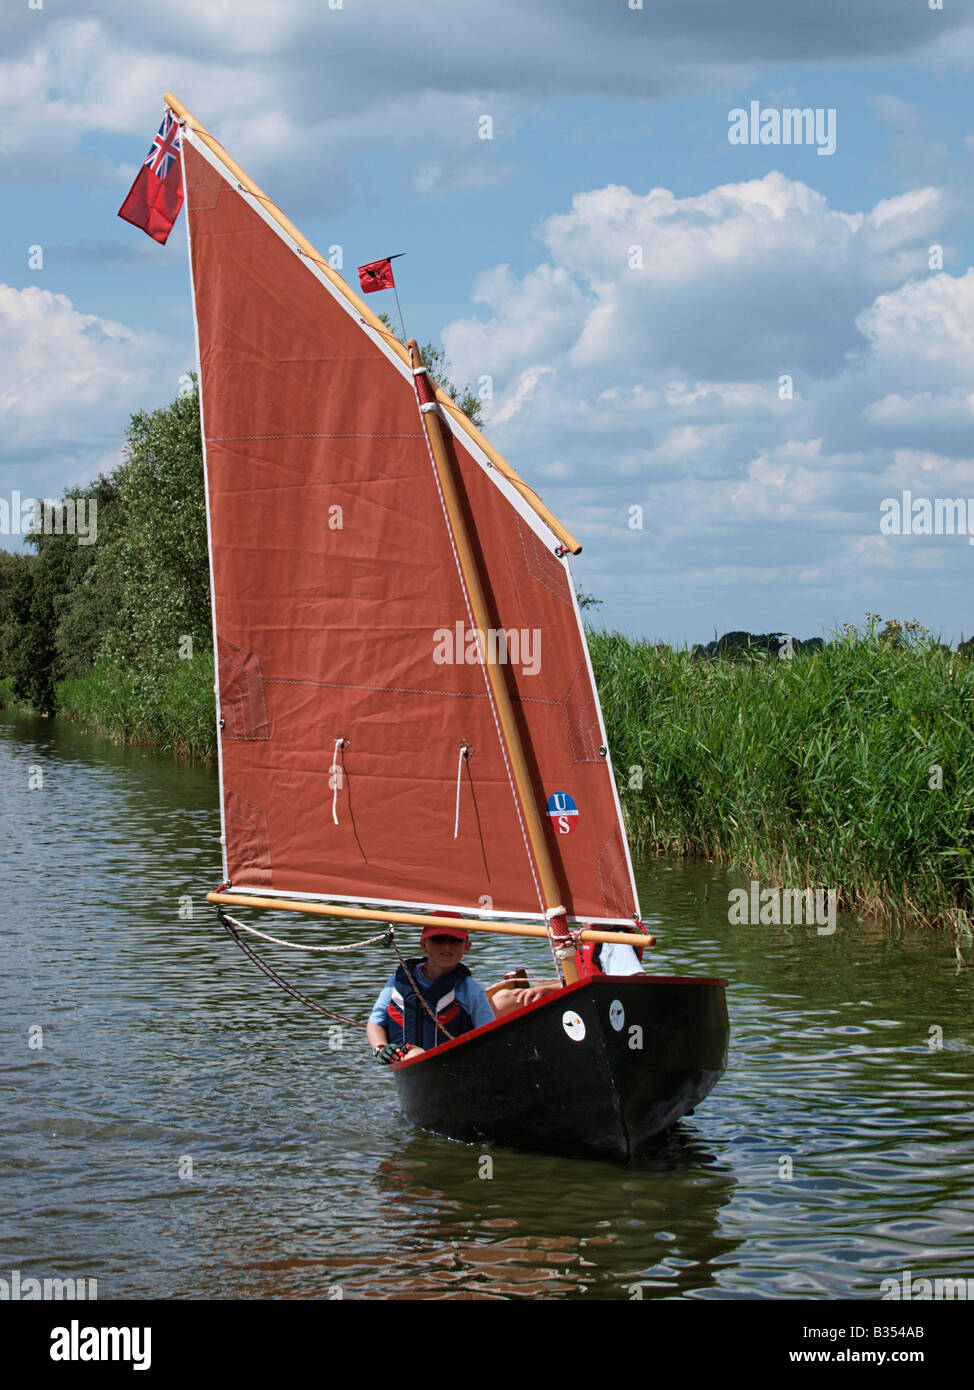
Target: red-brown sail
346	685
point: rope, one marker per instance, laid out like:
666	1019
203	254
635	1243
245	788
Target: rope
336	773
296	946
230	924
513	477
233	928
456	820
386	333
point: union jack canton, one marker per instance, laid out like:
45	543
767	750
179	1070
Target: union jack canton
165	147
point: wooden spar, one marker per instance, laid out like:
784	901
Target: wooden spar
417	919
362	309
509	732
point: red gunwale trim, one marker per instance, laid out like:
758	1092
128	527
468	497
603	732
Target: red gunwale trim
555	999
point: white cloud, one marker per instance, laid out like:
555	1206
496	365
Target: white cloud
758	277
661	386
303	78
926	325
461	176
924	408
71	381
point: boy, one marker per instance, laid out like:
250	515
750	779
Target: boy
400	1027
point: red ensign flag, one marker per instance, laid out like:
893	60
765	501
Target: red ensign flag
376	276
155	198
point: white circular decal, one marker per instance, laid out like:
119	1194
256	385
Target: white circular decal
617	1015
573	1026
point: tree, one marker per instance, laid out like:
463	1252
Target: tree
33	658
12	566
43	589
154	561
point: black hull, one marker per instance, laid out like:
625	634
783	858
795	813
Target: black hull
604	1090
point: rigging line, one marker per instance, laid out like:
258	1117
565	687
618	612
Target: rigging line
300	946
483	667
456	819
336	777
513	477
230	924
402	321
386	332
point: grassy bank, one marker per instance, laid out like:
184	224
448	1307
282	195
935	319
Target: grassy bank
849	768
171	708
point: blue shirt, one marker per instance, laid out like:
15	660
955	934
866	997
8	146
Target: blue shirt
470	996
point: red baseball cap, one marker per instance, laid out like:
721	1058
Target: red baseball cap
458	933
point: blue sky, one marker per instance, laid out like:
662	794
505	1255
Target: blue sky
614	387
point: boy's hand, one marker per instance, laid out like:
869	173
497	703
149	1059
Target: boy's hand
391	1052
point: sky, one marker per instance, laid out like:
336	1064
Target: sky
715	360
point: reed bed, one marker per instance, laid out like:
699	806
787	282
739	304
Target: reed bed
849	768
171	708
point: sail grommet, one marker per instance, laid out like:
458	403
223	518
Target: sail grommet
221	723
603	751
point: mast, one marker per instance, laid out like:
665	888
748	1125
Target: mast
508	731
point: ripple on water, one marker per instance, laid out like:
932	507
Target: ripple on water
185	1130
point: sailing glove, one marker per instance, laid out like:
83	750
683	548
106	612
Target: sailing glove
391	1052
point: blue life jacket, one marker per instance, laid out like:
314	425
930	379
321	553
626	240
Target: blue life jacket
412	1023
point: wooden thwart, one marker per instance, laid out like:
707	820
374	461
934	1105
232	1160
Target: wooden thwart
419	919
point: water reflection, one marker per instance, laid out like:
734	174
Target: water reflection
836	1150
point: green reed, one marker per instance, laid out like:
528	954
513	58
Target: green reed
169	706
822	770
851	767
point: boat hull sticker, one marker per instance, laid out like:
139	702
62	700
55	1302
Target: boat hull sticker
573	1025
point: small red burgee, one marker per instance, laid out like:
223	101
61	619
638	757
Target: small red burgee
377	275
156	196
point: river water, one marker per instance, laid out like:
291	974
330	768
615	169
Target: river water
180	1128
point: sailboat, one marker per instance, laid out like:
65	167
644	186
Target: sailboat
408	719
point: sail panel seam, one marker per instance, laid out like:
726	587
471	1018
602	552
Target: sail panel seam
409	690
309	434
